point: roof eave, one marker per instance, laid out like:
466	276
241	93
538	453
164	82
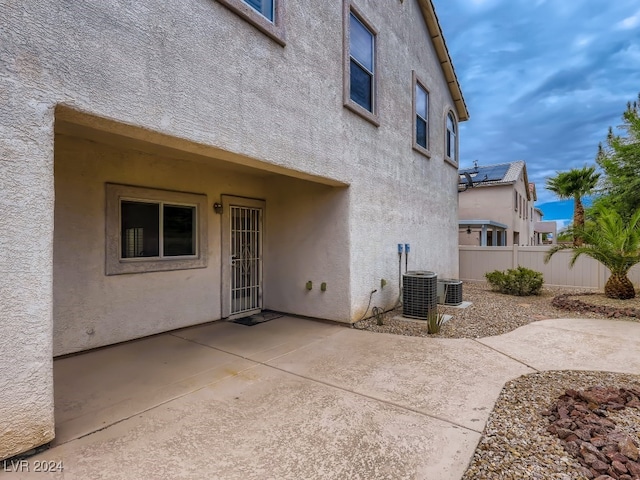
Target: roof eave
431	19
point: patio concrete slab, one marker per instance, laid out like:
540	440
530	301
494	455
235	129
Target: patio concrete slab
453	380
102	387
269	424
573	344
311	400
259	342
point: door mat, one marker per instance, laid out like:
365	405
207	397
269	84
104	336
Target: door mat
257	318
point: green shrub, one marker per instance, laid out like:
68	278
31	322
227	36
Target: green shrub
435	320
520	281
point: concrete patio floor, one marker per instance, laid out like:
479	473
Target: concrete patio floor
294	398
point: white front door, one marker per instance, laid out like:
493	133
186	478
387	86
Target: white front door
242	237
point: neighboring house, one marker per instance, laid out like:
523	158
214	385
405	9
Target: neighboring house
545	233
168	164
499	209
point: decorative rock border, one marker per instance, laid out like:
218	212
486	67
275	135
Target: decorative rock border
565	302
579	419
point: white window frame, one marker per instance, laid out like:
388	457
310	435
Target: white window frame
447	138
272	28
416	82
370	115
115	264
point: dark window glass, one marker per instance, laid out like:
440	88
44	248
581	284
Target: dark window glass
451	138
263	7
421	132
360	43
361	86
140	231
422	115
179	230
361	52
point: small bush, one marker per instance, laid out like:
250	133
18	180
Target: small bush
520	281
435	320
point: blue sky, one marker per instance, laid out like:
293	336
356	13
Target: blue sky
543	80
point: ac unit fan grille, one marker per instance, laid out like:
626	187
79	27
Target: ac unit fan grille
419	294
450	291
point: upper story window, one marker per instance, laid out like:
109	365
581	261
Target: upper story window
263	7
266	15
420	116
360	64
520	213
515	200
361	48
451	146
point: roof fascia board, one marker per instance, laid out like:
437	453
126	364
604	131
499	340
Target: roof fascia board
435	32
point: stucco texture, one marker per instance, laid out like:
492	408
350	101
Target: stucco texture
497	203
91	309
193	75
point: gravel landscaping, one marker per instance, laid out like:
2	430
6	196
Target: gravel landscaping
518	441
493	313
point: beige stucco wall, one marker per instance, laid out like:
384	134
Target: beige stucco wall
195	72
496	202
302	222
26	230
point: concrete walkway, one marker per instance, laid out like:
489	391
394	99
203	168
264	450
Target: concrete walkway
293	399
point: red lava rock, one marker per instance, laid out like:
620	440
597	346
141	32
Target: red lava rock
585	472
628	448
572	438
598	441
579	419
619	467
634	468
617	457
563	433
587	447
564	423
600	466
635	403
565	302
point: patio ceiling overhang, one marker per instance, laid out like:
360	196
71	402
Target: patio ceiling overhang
498	237
482	223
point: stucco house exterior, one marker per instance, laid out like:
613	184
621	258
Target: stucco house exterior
499	210
545	232
168	164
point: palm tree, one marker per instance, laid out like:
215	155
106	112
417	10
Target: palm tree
612	241
576	183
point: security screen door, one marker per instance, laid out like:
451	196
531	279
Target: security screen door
242	252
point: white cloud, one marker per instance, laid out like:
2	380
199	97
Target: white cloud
582	41
483	3
630	22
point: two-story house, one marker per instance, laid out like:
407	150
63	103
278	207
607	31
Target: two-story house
499	209
168	164
545	231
